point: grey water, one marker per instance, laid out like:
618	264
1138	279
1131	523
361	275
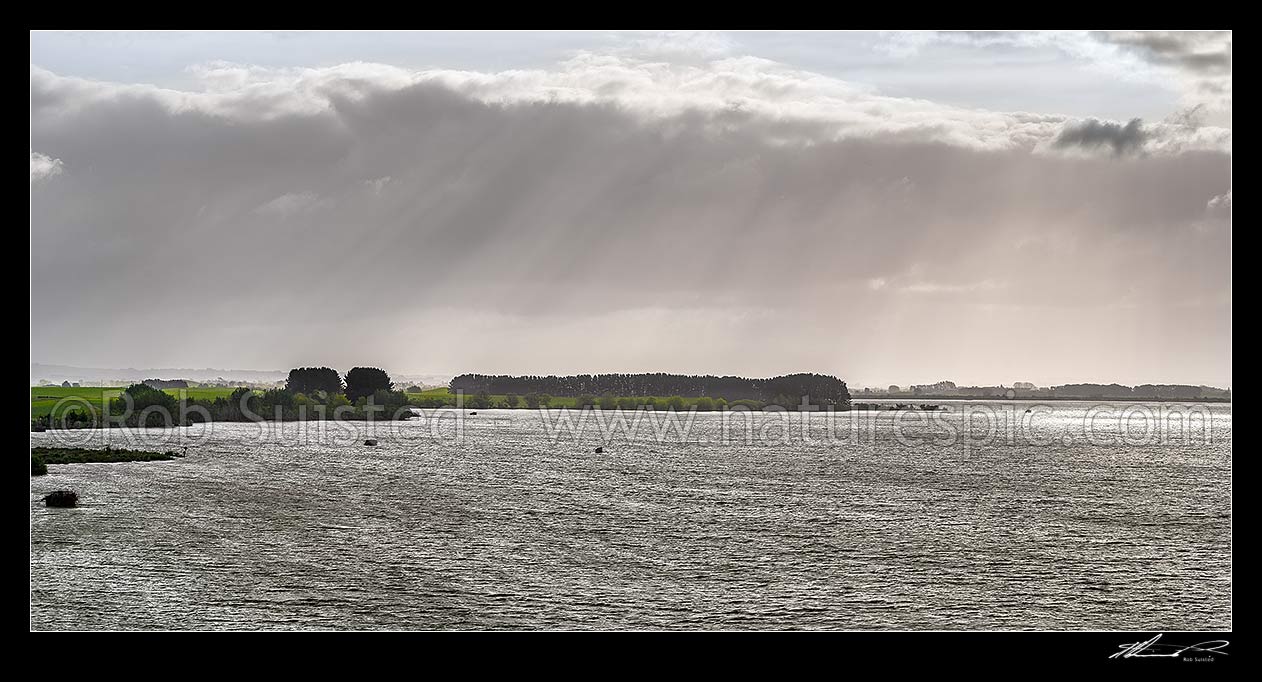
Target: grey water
1077	524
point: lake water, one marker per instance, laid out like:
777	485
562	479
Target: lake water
503	527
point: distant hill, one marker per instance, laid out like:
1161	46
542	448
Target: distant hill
97	376
89	376
947	389
423	380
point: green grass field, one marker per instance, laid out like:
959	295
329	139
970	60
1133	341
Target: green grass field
442	391
45	398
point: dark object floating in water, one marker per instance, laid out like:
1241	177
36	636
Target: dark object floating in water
473	413
370	441
599	450
61	498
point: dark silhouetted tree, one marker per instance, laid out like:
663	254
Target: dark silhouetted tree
311	379
362	382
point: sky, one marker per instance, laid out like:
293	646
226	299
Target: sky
887	207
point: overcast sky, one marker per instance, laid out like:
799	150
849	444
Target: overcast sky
886	207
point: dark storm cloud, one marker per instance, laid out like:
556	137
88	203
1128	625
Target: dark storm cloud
419	225
1092	134
1199	51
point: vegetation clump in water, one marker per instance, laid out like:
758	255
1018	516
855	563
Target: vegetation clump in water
61	498
47	456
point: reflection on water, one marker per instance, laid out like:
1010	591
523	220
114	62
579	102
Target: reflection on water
509	530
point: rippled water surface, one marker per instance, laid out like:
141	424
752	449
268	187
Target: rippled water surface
508	529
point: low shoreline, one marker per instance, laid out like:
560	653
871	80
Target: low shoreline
1043	399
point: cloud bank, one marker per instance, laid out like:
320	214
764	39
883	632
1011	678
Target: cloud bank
793	106
619	215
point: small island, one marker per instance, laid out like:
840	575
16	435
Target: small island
41	457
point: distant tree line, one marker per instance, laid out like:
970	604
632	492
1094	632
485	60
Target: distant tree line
822	389
1141	392
1073	391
